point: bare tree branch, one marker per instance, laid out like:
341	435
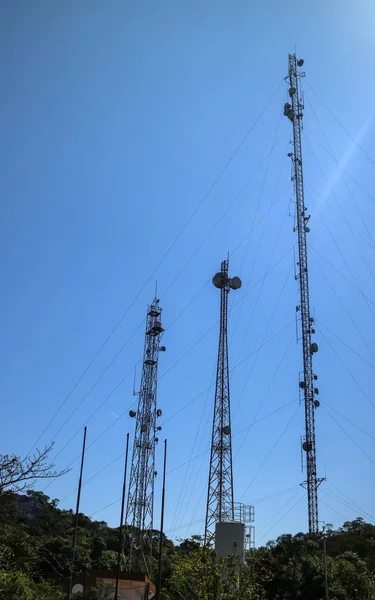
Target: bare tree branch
18	474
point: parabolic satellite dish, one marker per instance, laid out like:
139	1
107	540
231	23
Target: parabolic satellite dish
219	280
235	283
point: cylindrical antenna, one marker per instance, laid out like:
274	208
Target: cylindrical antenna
120	544
77	513
135	377
162	523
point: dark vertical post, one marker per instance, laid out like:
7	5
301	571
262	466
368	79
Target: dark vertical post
120	541
162	523
325	568
77	513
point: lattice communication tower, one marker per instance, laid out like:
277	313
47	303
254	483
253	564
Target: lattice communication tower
140	503
293	110
220	501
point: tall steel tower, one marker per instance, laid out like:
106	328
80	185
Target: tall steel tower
294	111
220	502
140	504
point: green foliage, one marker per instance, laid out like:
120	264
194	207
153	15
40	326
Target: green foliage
197	575
17	549
291	568
19	586
36	546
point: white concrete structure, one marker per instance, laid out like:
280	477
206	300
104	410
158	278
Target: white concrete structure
230	539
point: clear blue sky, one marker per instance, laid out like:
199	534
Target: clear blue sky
116	118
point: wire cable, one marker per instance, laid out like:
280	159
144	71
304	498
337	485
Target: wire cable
331	507
268	523
269	497
343	177
173	469
311	134
123	379
231	204
360	185
169	287
261	288
356	287
344	307
351	501
167	252
340	500
274	495
349	421
330	232
215	325
349	436
255	216
264	335
244	430
185	526
353	507
165	292
98	408
347	369
131	370
347	504
270	452
265	395
95	475
342	216
105	507
347	346
187	479
284	515
341	125
247	236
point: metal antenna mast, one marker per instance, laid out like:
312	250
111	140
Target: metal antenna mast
220	502
294	112
140	504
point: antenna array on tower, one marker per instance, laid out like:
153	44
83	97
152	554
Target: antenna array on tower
220	501
140	504
294	111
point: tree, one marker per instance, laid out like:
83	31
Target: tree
198	575
19	586
18	474
18	550
36	545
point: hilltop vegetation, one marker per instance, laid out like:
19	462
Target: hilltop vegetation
35	554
